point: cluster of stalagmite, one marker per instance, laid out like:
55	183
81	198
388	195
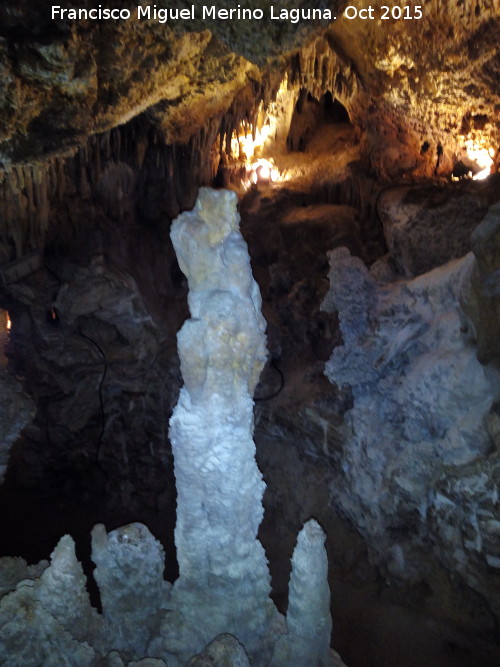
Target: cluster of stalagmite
220	605
224	582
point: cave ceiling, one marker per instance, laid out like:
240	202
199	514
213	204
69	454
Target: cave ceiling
416	88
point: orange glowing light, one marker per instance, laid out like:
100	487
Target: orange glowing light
8	322
264	171
478	151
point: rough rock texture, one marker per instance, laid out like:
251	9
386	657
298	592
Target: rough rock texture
89	76
16	411
434	620
47	617
73	78
308	619
129	573
114	175
417	103
426	226
15	569
224	582
412	108
92	358
222	351
62	592
48	620
423	418
225	650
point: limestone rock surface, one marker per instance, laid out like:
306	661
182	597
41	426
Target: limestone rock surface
415	107
426	83
15	569
309	624
224	650
224	582
129	572
49	620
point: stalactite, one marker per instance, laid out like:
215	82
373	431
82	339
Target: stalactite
318	69
33	195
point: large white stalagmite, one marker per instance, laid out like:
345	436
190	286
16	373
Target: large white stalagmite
224	582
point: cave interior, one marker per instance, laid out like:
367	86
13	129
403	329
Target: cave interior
366	170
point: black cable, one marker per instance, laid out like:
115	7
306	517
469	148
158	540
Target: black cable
280	388
53	274
101	401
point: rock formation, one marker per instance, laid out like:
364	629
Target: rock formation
219	487
422	420
222	351
485	297
224	584
88	76
308	620
425	226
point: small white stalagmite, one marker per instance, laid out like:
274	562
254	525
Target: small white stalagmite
308	619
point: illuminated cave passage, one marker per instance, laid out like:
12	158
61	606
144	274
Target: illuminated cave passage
309	113
369	205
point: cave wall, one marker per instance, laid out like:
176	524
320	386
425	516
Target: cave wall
403	444
424	84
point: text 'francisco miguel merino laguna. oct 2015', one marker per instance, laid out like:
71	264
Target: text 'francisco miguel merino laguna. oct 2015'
236	13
